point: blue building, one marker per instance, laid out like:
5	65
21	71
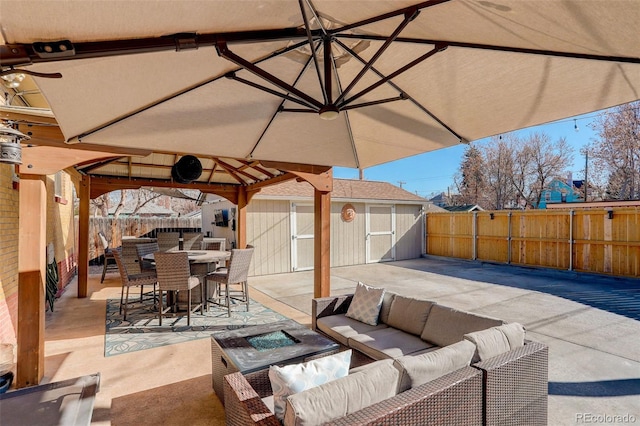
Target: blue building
558	191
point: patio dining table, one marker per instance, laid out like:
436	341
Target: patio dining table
198	256
201	262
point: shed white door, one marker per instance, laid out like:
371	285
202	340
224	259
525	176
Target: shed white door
301	236
381	233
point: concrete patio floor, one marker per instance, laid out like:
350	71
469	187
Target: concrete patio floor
594	356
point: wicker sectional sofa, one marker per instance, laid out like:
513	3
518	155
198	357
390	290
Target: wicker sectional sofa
494	386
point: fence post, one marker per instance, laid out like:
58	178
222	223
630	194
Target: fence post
509	239
425	231
475	236
571	213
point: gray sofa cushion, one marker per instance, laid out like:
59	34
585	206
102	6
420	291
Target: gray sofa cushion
514	332
387	300
446	326
496	340
489	343
416	370
387	343
409	314
343	396
340	327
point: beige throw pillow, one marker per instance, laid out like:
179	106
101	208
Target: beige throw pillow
366	303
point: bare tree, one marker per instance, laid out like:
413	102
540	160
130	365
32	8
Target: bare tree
498	157
142	197
470	179
100	204
516	170
543	160
616	154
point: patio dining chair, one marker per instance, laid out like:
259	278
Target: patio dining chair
174	275
143	250
168	241
191	240
231	283
109	260
132	280
211	245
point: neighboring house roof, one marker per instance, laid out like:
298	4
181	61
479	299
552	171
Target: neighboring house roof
343	189
464	208
432	208
439	198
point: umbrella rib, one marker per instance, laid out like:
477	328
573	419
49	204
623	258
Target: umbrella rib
409	16
346	116
147	107
255	146
436	49
223	51
393	14
233	76
182	92
296	110
395	86
328	89
499	48
378	102
313	50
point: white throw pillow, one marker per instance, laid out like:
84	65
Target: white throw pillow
295	378
366	303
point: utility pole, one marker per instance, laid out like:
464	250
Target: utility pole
586	170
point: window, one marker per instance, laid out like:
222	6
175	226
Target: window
58	185
58	188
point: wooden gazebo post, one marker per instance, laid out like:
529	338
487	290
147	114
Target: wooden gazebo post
83	236
322	183
321	178
32	261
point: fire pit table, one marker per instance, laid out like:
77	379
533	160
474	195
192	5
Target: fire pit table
257	347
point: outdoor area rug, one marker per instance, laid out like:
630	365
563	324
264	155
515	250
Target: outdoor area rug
141	330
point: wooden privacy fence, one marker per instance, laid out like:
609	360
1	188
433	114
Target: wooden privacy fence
115	229
599	241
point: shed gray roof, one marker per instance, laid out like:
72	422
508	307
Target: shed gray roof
351	189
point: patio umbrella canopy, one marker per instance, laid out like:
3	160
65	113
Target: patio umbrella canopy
253	80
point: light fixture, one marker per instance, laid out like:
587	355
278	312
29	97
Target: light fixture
575	125
12	81
329	112
10	149
491	216
610	214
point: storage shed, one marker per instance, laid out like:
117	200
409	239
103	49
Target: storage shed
370	222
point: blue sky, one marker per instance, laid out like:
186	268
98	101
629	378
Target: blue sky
433	172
